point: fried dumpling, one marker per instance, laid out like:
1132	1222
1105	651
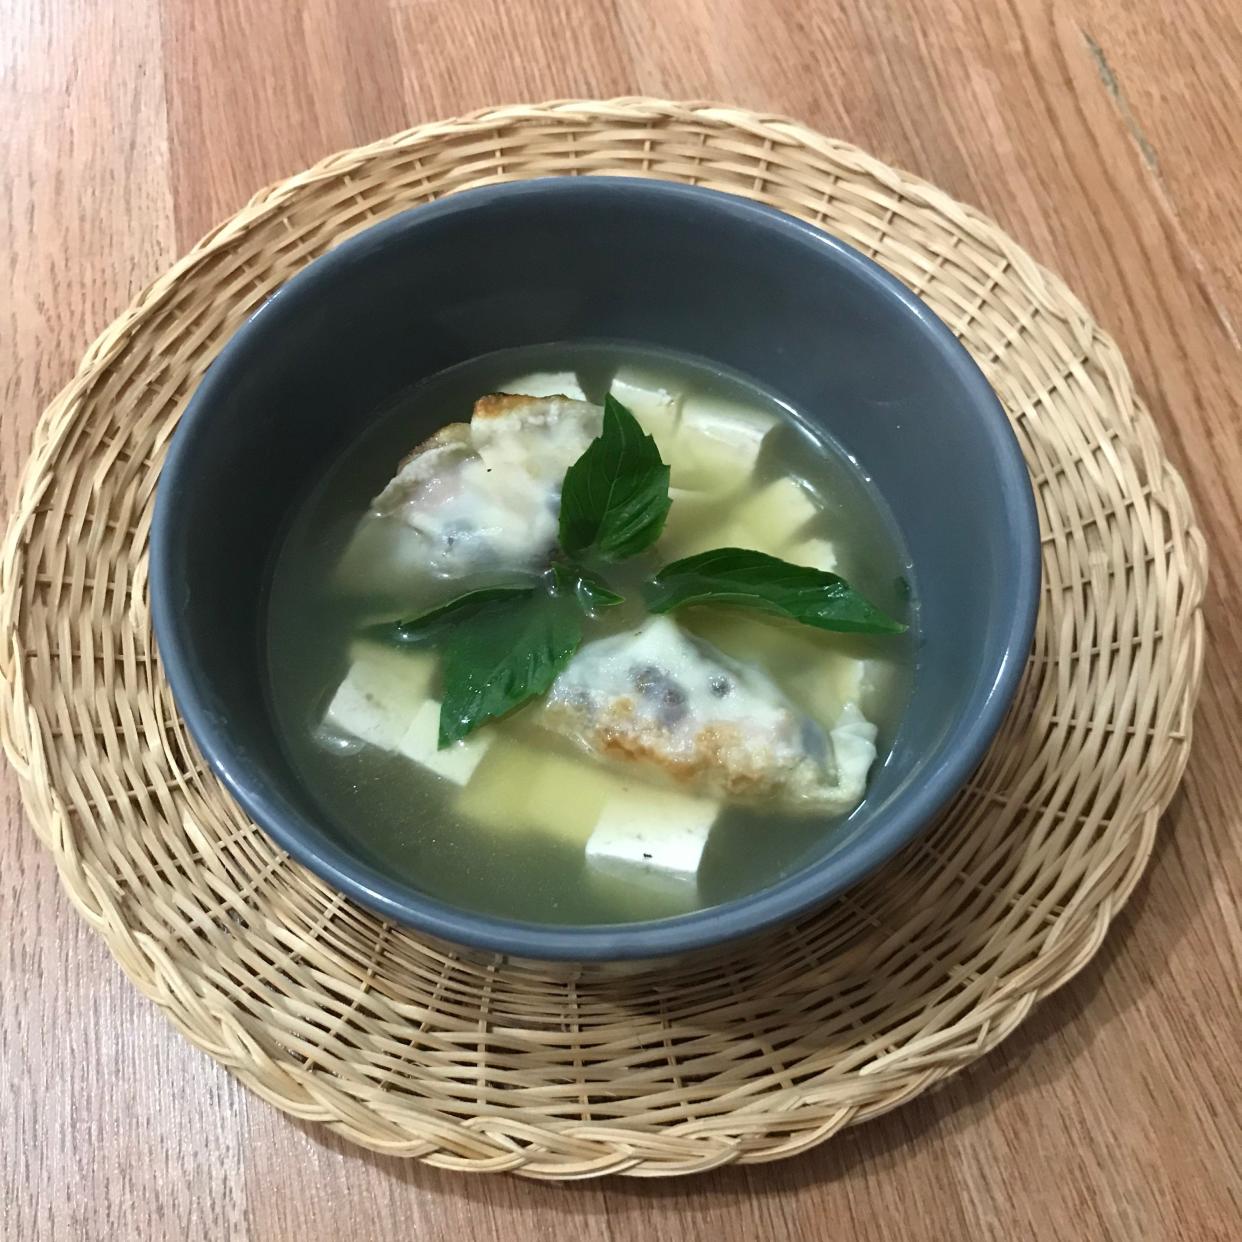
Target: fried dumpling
657	698
486	494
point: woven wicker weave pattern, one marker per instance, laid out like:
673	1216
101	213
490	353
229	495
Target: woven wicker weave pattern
403	1046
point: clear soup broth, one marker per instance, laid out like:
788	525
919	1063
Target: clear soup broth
509	838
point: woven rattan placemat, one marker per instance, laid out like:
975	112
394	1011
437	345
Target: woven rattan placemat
406	1048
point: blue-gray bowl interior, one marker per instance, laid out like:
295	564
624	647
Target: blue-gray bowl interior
571	259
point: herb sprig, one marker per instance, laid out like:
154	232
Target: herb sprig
504	645
614	500
746	579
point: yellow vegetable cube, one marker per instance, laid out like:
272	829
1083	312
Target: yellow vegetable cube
567	797
775	514
693	524
497	792
521	788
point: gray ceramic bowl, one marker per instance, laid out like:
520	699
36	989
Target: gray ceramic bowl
572	259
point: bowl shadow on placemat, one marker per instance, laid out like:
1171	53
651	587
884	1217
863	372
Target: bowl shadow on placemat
1042	1050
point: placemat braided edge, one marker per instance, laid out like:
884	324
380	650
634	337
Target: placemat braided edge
792	1099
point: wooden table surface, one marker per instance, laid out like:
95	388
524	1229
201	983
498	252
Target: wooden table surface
1103	135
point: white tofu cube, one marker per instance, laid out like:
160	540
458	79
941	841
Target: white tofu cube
652	830
546	384
392	672
814	552
380	693
657	410
768	521
457	761
724	422
718	443
377	719
829	684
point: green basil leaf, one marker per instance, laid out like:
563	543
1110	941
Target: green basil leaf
589	589
418	629
614	499
747	579
502	656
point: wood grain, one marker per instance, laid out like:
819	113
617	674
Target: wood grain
1101	134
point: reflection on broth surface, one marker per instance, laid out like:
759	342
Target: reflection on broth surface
603	803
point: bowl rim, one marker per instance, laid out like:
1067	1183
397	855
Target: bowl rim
794	895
